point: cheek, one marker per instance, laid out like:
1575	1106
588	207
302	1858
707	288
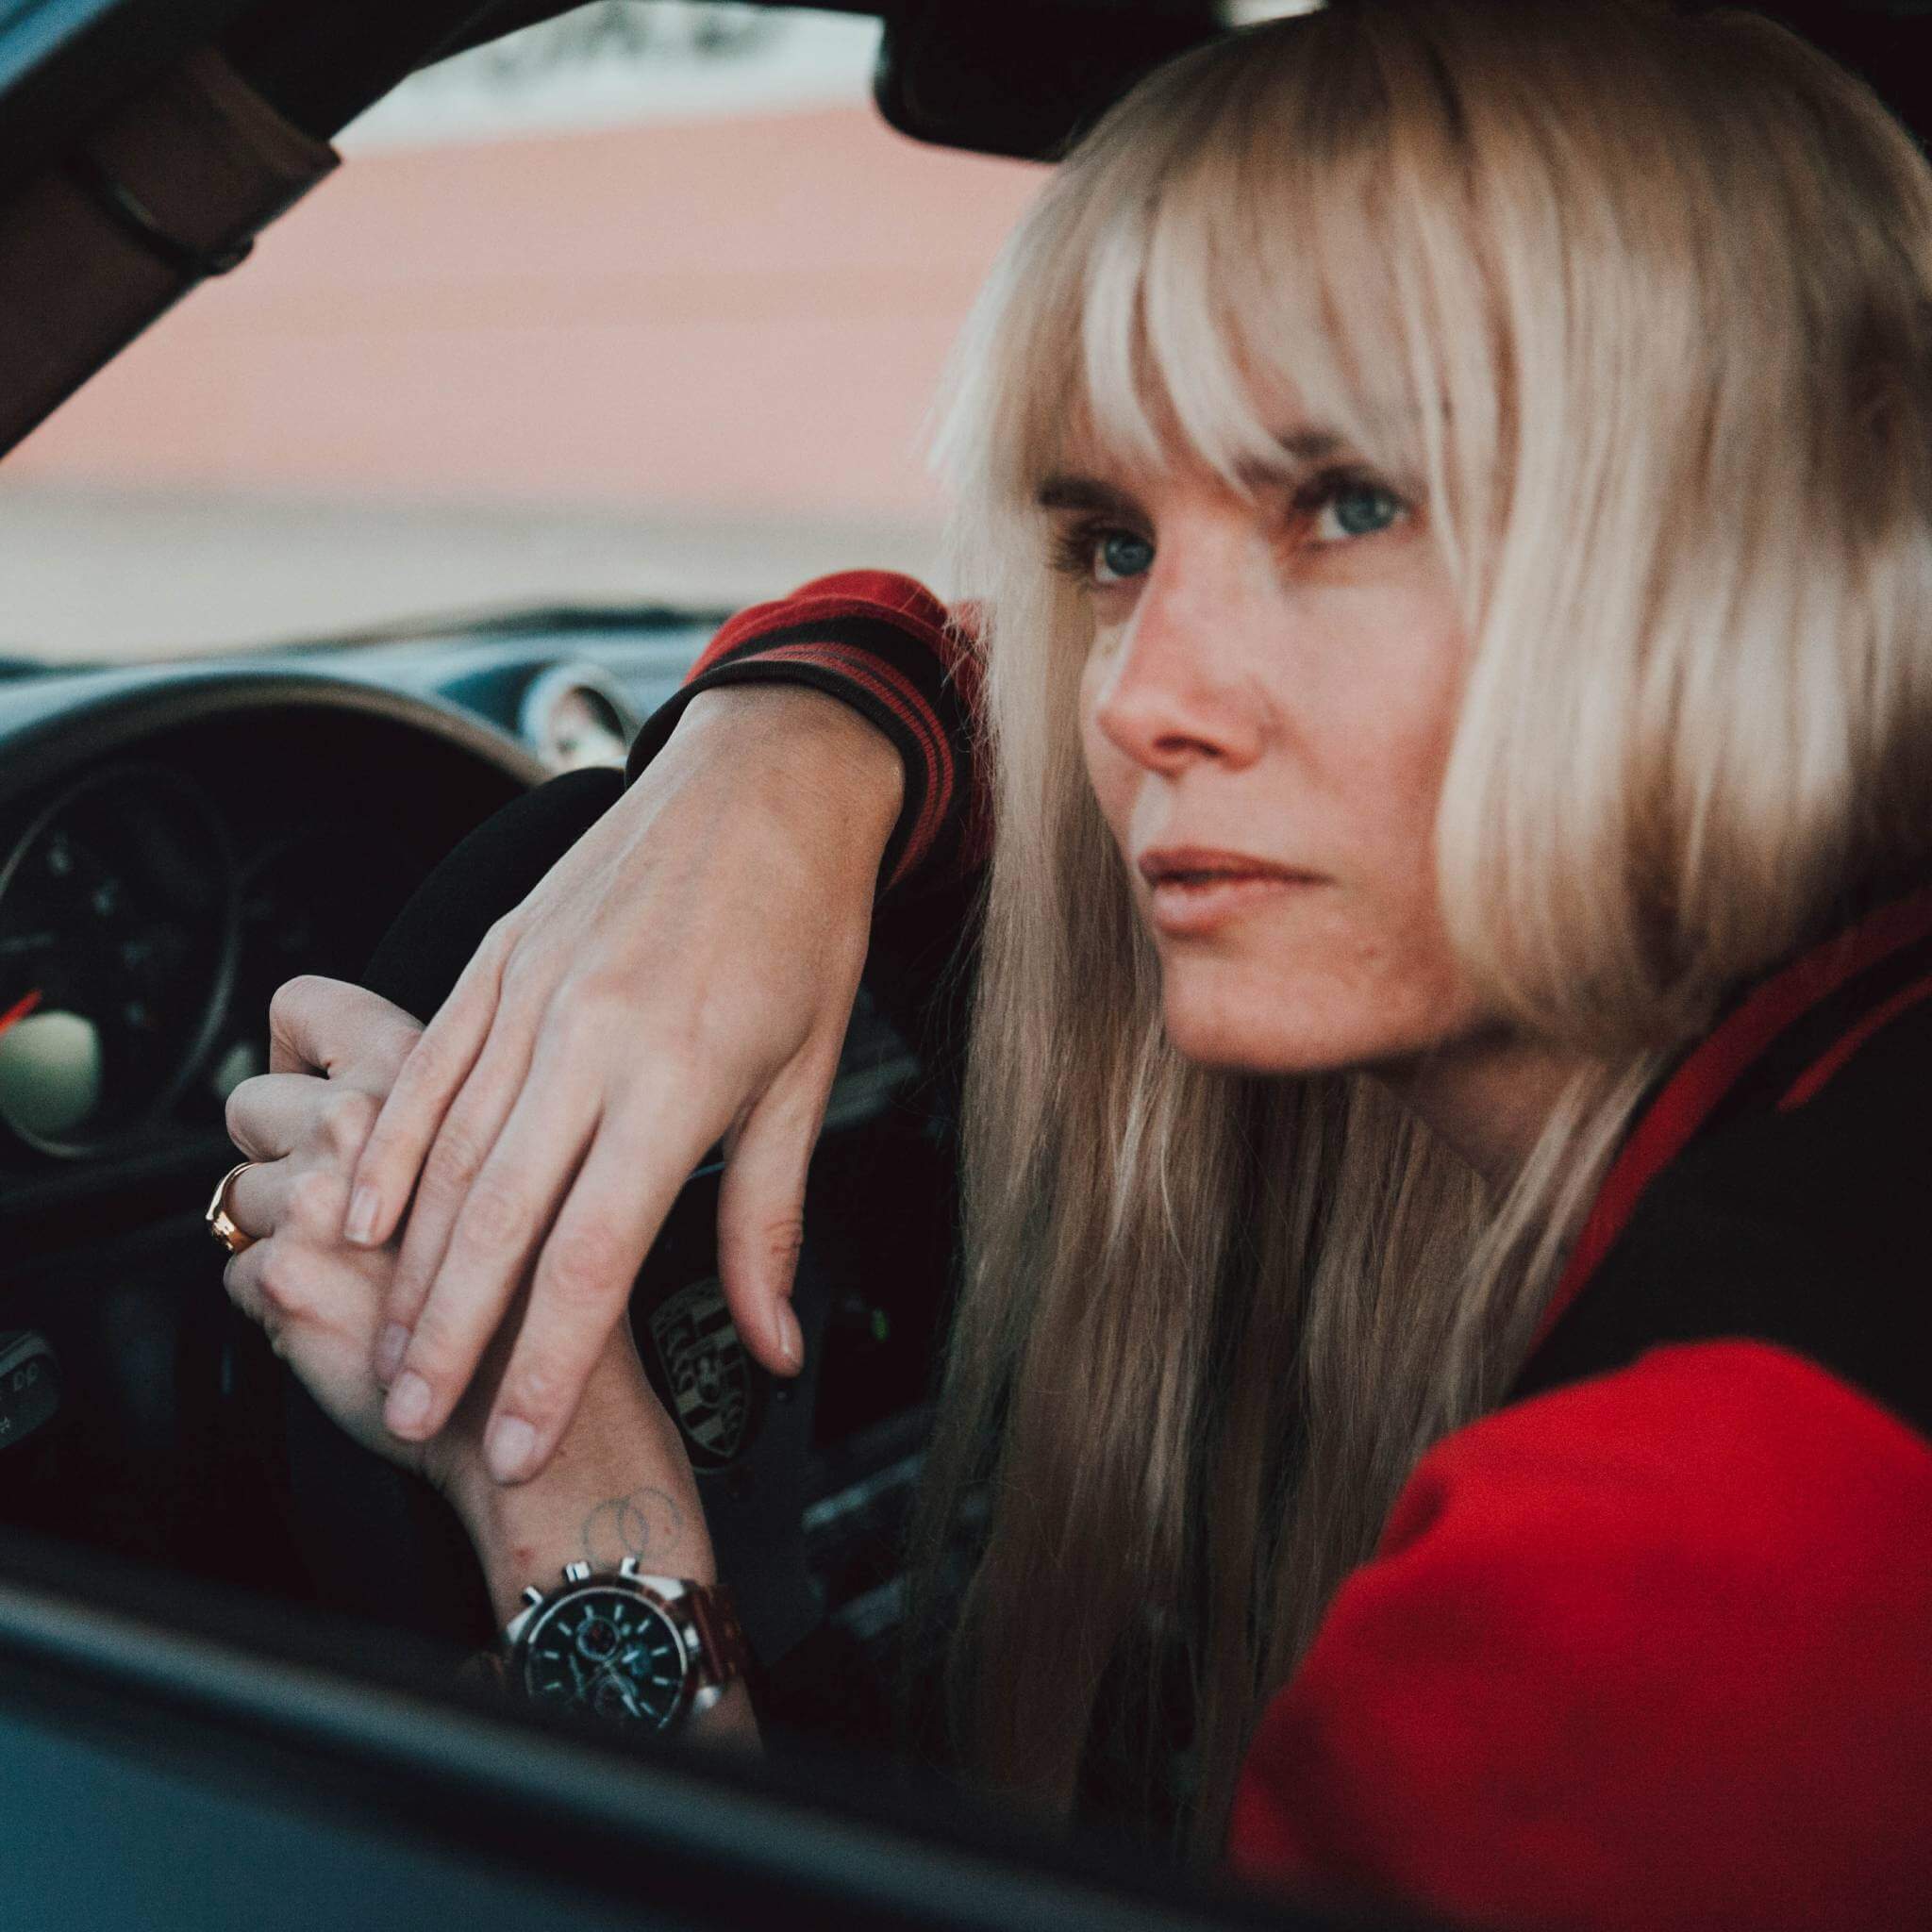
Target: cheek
1398	987
1359	972
1389	777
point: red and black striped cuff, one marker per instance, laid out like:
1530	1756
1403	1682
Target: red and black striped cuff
884	644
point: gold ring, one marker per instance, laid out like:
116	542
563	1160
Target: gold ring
221	1224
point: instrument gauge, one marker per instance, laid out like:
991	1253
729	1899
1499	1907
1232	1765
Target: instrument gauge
118	922
577	716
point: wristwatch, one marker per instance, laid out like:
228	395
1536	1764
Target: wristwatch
642	1650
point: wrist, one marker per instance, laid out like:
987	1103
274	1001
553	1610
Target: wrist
831	750
620	1485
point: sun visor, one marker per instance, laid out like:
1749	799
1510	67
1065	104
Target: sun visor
172	188
1024	77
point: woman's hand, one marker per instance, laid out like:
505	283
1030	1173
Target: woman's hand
620	1485
684	975
317	1299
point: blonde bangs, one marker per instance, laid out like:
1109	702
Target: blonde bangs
1179	298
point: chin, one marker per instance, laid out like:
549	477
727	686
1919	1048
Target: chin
1284	1028
1207	1033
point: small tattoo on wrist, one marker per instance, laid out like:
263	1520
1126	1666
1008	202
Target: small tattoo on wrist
644	1525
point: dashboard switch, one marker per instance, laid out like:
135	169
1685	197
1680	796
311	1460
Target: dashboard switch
30	1384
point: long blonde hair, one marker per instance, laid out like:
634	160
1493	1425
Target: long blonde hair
1646	302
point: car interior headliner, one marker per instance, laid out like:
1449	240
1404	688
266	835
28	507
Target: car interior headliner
1003	77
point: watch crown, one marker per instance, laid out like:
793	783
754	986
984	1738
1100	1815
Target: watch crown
532	1595
577	1573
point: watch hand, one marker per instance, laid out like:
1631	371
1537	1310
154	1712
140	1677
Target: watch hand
625	1688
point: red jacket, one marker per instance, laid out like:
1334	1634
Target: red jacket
1650	1645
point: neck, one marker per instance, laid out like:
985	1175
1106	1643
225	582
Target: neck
1488	1096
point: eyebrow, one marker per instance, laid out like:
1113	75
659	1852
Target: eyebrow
1302	450
1084	492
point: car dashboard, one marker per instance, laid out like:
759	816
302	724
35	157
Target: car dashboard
176	840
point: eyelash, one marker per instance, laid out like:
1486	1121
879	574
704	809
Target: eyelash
1074	548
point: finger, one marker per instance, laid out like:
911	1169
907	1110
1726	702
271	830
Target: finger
329	1027
257	1199
258	1284
463	1142
582	1284
425	1087
502	1219
241	1277
761	1217
268	1115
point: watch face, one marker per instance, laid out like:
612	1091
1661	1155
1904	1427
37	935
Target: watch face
607	1651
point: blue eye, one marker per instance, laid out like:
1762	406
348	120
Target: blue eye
1120	555
1357	509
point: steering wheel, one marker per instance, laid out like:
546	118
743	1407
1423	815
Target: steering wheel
382	1545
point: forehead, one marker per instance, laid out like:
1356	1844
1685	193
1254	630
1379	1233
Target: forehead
1230	369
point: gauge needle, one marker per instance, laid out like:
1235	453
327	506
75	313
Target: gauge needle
20	1009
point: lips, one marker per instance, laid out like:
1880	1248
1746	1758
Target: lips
1196	892
1200	865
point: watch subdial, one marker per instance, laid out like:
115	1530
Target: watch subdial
597	1639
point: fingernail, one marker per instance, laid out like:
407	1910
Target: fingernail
360	1225
390	1346
512	1442
409	1403
791	1338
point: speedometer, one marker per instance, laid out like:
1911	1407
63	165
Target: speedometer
118	913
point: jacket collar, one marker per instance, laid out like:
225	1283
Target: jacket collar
1778	1048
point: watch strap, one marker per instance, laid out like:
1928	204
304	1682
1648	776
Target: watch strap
726	1655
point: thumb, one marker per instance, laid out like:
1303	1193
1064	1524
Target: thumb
761	1219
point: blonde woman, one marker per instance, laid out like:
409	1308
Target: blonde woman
1447	492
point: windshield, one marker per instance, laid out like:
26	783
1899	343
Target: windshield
639	306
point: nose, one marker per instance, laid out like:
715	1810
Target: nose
1172	693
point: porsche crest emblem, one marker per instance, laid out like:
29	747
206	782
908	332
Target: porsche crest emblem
707	1371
